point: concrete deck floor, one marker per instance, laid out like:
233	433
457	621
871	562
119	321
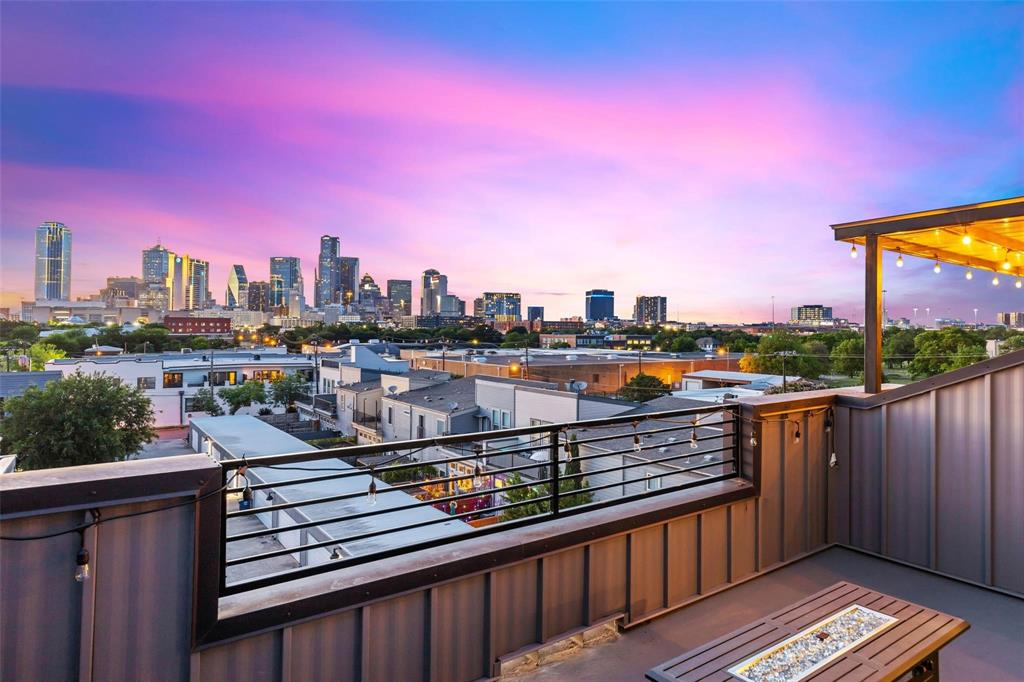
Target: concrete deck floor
992	650
267	543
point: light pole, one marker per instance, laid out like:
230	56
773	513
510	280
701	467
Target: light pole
785	354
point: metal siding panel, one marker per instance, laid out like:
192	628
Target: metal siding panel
399	620
817	463
743	539
514	607
683	559
563	592
646	572
607	577
839	480
326	649
866	480
38	582
770	499
457	630
908	480
1008	479
254	659
714	548
795	494
962	495
143	633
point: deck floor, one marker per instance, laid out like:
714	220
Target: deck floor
992	650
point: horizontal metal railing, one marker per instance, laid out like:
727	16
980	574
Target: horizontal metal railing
427	492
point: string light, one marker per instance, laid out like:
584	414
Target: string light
796	434
636	442
82	565
899	260
371	493
753	438
966	240
1018	283
693	437
995	280
969	275
1006	260
937	269
853	251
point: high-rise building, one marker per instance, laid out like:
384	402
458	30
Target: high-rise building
327	289
502	306
534	312
600	305
198	295
1011	320
434	289
259	296
369	292
237	294
348	268
650	310
811	314
53	262
452	306
122	291
400	296
286	278
478	307
156	278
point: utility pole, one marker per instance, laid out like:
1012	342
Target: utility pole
785	354
773	313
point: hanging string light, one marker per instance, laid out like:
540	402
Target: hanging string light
966	239
937	269
969	274
899	259
371	493
1019	283
995	280
1006	260
693	438
478	471
796	433
82	561
853	251
753	437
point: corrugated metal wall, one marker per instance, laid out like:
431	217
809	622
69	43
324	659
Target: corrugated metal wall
937	479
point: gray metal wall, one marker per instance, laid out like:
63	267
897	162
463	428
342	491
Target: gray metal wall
937	479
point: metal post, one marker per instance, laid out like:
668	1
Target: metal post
554	472
872	315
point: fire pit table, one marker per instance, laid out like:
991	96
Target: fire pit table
845	632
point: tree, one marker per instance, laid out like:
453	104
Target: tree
81	419
571	491
848	357
243	395
898	347
782	352
40	353
1011	344
946	349
287	389
204	401
643	387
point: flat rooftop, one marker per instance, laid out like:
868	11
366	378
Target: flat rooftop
572	356
990	651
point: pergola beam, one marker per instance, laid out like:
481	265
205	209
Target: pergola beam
958	216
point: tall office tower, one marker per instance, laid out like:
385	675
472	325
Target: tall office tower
349	274
123	291
198	288
259	296
502	306
237	294
452	306
400	296
156	278
288	273
535	312
328	273
478	307
434	289
369	292
650	310
53	262
600	305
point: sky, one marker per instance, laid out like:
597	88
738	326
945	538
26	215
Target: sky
695	151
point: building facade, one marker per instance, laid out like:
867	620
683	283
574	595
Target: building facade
198	325
811	314
400	296
237	294
600	305
1011	320
156	277
502	307
650	310
53	262
285	280
349	269
434	289
259	296
535	313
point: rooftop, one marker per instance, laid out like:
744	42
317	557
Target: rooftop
15	383
738	377
438	398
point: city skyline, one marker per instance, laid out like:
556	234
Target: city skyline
634	163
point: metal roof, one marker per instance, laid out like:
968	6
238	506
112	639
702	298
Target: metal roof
16	383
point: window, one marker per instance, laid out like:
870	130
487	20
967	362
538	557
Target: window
653	483
172	379
391	415
538	422
146	382
221	378
596	378
267	374
506	419
495	419
440	427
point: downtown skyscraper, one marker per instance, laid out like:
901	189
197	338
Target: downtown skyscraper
286	286
433	293
502	306
53	262
400	296
237	294
327	288
174	281
650	309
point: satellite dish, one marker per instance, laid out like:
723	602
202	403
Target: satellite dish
577	386
392	389
540	457
452	406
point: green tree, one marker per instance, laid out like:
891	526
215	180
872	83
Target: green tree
243	395
81	419
683	344
204	401
1011	344
22	332
40	353
848	357
571	493
782	352
946	349
643	387
898	347
287	389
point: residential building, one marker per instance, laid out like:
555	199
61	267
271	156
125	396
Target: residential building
629	341
400	296
259	296
813	315
14	384
53	262
204	326
434	289
650	310
286	281
170	380
327	288
1011	320
705	379
237	294
502	307
571	324
359	404
572	340
600	305
707	344
534	313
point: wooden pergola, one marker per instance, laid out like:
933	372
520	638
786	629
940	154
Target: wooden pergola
988	236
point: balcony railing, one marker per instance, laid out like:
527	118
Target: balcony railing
340	515
370	419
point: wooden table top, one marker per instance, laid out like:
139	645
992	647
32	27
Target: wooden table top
885	656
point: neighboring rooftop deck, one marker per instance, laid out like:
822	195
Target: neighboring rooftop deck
992	650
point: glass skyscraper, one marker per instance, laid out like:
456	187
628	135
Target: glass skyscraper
237	294
600	305
400	296
285	277
53	262
502	307
328	288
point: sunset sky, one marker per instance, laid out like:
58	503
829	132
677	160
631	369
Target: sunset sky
695	151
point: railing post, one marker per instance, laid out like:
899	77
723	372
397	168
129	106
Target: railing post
737	440
554	471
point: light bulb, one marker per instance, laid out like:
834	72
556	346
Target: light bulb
995	281
478	474
937	269
636	442
853	251
372	491
693	439
1006	264
899	261
969	275
82	565
966	239
796	434
246	497
1018	283
753	440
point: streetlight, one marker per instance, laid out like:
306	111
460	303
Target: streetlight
315	340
